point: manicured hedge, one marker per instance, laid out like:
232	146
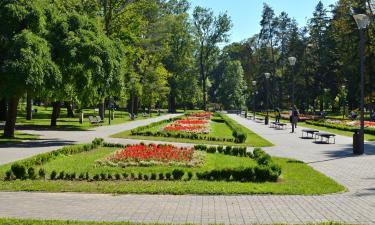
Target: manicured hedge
142	131
228	150
239	131
24	169
340	127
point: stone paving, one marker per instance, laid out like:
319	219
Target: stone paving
355	206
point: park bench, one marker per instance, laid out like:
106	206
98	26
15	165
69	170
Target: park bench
259	120
281	126
273	124
99	119
93	120
309	132
327	136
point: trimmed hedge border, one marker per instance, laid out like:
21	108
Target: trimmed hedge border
265	170
140	131
239	132
340	127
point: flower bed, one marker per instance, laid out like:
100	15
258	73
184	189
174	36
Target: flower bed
150	155
195	123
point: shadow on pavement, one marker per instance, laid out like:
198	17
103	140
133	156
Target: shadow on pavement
38	143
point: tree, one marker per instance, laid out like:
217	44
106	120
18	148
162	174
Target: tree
209	31
25	61
231	91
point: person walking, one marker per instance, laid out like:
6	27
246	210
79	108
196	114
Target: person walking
277	115
295	116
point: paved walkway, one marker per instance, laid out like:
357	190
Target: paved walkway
355	206
54	139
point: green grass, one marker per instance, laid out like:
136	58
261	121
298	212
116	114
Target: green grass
218	129
62	222
19	137
42	119
296	178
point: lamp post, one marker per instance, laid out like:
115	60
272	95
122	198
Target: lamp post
267	76
292	62
254	92
343	87
363	21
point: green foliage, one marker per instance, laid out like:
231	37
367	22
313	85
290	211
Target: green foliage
19	170
177	174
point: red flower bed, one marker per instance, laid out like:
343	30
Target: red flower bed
193	122
152	152
187	128
203	115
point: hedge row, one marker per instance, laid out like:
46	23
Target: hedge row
259	173
228	150
340	127
24	169
239	132
141	131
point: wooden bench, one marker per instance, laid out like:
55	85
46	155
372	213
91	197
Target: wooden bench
327	136
281	126
92	120
308	132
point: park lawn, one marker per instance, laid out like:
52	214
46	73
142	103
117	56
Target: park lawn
297	178
65	222
218	129
19	137
42	119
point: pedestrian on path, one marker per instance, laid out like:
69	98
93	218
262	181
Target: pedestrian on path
277	115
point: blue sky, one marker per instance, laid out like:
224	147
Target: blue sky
246	14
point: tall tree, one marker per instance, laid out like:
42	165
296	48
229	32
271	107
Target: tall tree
210	30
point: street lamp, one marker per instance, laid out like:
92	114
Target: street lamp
254	92
363	21
292	62
343	87
267	76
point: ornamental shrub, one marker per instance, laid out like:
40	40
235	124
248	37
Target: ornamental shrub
178	174
61	175
234	151
153	176
125	176
103	176
53	175
211	149
42	173
190	175
145	177
9	175
81	176
228	150
140	176
87	176
168	175
31	173
117	176
220	149
161	176
19	171
261	157
96	177
109	176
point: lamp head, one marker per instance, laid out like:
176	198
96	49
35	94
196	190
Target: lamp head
267	75
254	82
362	20
292	60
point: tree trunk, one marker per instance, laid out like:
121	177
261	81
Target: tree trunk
55	113
29	107
3	109
69	109
102	110
172	103
10	124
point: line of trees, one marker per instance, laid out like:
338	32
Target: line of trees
326	75
142	53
